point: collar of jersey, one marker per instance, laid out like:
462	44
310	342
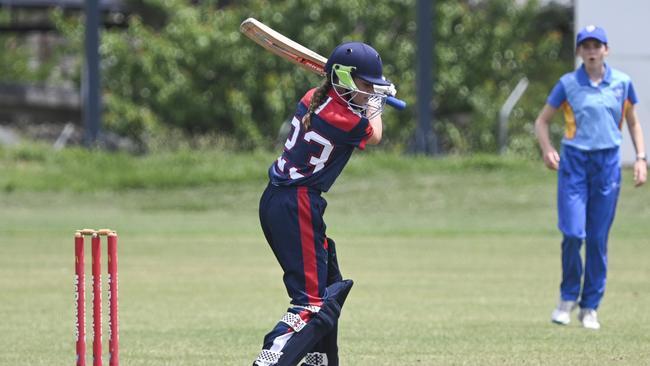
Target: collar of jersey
336	98
583	77
342	102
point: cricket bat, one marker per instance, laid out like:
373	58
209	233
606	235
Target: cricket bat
290	50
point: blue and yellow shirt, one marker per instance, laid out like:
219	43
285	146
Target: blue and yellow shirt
593	114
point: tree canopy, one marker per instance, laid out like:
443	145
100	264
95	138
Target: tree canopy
184	64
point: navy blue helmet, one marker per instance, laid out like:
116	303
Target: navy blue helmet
364	59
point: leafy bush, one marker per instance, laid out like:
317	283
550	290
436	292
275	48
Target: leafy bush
186	66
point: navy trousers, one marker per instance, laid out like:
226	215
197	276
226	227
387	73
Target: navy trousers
292	221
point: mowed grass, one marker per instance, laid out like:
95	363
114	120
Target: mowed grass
455	262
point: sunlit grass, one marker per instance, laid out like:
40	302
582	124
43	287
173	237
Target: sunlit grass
455	260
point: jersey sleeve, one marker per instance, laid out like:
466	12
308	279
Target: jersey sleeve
631	94
359	135
557	96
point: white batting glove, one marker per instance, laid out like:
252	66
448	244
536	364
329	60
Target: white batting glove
374	106
386	89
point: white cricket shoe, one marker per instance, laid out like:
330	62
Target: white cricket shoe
562	313
589	318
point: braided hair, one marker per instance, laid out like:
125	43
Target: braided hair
316	100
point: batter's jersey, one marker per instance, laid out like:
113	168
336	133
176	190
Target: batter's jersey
316	156
593	114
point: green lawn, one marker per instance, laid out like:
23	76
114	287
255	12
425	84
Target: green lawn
455	262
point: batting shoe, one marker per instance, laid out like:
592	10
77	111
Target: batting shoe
589	318
562	313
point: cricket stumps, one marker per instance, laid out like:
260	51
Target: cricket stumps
80	296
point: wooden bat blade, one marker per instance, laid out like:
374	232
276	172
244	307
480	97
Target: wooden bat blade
283	46
290	50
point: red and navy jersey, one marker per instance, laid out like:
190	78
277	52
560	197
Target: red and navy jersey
315	157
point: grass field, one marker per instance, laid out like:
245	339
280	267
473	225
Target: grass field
455	262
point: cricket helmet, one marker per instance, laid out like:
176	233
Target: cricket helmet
364	60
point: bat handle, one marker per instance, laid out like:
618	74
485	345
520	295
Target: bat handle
396	103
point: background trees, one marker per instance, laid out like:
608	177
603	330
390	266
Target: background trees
184	65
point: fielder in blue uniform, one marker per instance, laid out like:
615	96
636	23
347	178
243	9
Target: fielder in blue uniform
330	122
595	100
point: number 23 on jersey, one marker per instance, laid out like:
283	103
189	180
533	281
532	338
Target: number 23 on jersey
315	163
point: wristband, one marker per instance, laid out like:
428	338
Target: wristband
641	156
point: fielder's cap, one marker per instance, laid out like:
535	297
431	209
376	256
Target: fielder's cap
591	32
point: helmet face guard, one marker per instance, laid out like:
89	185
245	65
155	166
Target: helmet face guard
344	86
351	60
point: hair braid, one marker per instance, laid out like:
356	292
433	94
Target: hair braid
316	100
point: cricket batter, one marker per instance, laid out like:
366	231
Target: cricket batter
330	122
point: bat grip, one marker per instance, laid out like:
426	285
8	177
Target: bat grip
396	103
